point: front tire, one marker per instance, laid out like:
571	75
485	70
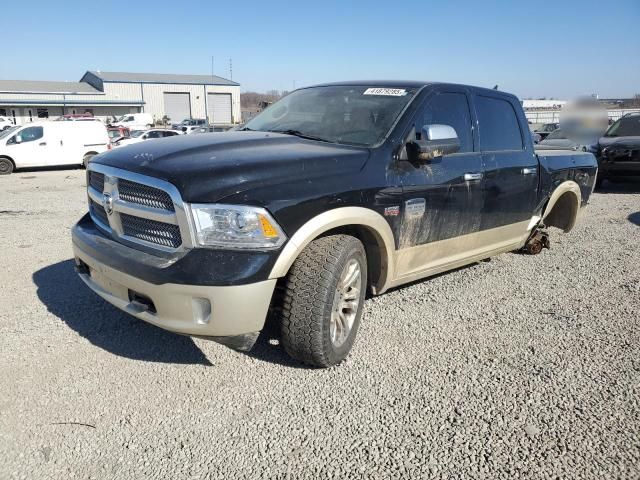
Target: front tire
323	299
87	158
6	166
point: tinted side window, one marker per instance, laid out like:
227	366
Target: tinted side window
498	124
451	109
154	135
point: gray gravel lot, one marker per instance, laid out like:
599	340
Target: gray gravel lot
521	367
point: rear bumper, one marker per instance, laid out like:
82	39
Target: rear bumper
208	311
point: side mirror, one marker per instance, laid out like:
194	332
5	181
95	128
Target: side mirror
435	141
18	138
144	137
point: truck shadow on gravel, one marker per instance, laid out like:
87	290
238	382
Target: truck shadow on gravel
634	218
69	299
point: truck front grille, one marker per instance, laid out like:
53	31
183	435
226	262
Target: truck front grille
144	195
151	231
96	180
98	212
139	210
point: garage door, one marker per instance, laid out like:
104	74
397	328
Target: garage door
219	106
177	106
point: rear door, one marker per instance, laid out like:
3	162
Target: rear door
510	166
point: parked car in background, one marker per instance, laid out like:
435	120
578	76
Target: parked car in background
190	129
211	129
46	144
142	135
545	129
618	150
189	122
5	123
134	121
559	139
78	117
334	192
117	133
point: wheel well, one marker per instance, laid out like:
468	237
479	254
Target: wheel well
377	263
89	153
563	212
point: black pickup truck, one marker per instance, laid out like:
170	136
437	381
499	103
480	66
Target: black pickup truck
331	193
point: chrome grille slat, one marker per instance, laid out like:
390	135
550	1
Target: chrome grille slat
151	231
143	212
144	195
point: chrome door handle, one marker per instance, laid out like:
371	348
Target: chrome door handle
529	170
470	177
42	144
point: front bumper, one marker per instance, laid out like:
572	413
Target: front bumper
126	278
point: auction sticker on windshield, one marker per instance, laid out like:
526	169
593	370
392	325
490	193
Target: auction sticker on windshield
389	92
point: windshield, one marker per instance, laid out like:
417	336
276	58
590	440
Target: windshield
115	134
351	115
137	133
625	127
7	132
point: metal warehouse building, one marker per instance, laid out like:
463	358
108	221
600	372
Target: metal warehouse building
112	94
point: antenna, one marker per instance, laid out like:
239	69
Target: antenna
212	68
230	69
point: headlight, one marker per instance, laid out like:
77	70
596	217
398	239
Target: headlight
235	226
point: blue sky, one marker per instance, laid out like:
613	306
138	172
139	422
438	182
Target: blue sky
533	49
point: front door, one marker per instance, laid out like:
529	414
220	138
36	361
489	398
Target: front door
28	147
511	167
443	197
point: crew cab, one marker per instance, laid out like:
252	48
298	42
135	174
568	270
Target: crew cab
333	192
618	151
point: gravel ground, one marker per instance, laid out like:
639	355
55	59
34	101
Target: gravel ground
521	367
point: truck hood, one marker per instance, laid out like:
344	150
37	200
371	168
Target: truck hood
211	166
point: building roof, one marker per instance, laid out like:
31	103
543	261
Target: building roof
129	77
37	86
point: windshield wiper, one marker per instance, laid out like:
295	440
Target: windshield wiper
298	133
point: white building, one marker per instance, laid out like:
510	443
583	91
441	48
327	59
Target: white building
109	94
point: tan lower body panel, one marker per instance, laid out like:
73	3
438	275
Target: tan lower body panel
188	309
432	258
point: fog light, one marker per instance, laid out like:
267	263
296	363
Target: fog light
201	310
